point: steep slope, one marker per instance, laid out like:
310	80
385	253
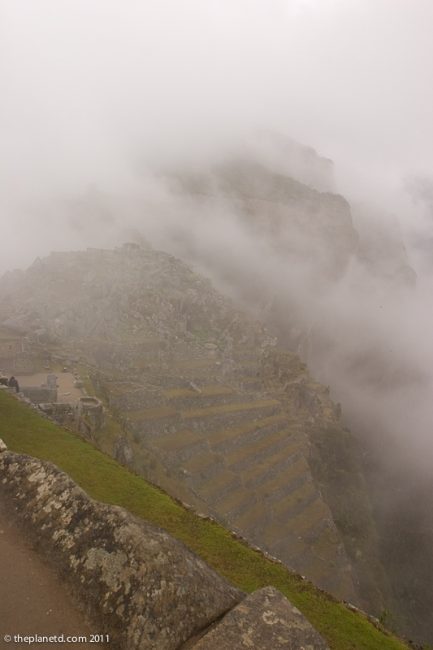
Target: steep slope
334	283
204	413
26	432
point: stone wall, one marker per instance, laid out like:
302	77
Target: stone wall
87	417
39	394
90	415
144	588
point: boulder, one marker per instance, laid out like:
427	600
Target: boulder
265	620
137	583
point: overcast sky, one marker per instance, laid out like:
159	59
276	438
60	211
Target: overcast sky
90	87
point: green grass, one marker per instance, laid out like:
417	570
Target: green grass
104	479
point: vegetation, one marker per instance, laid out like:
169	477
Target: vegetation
24	431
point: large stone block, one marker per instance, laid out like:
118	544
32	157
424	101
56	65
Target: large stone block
137	583
266	620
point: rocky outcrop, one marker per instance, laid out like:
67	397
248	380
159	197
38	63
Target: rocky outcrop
296	221
146	589
140	585
263	621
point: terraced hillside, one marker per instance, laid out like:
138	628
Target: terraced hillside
26	432
206	405
234	454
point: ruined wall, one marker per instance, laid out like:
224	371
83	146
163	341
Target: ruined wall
39	394
87	416
145	588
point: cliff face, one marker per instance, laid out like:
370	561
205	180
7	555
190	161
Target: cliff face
295	219
210	409
294	256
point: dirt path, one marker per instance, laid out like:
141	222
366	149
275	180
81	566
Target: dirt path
32	599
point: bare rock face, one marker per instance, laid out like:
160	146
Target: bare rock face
298	222
145	588
263	621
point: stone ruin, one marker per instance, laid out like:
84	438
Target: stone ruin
90	415
86	417
46	392
136	582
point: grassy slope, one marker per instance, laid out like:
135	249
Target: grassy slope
104	479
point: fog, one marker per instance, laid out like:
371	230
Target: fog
101	100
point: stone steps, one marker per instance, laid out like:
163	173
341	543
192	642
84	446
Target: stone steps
287	491
235	503
237	451
265	502
257	515
227	416
232	436
186	452
216	487
294	503
152	413
134	400
206	462
257	476
241	457
311	516
234	407
163	419
205	397
296	466
307	507
176	440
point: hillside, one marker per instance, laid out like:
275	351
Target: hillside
334	282
207	407
26	432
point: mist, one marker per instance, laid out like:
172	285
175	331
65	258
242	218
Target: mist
105	103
